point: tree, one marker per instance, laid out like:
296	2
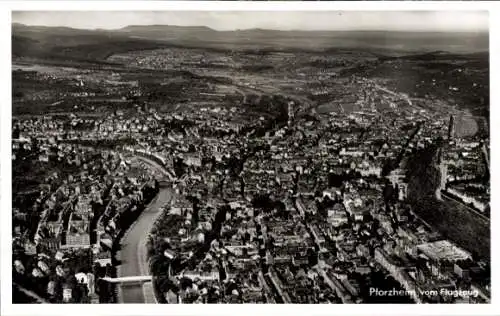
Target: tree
159	265
389	192
164	284
109	270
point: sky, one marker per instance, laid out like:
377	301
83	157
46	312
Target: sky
446	21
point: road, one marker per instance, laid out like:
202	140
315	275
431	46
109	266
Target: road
133	254
453	199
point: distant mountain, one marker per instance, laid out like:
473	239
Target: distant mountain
404	41
164	29
72	44
64	42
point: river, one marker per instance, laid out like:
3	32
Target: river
133	254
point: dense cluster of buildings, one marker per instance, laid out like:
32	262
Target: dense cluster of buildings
308	219
73	215
311	209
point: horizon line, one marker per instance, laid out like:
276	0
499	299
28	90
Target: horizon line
254	28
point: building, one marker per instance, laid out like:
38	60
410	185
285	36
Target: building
203	276
192	160
354	207
77	234
83	207
402	191
67	293
103	258
337	216
291	112
443	250
462	269
398	273
451	126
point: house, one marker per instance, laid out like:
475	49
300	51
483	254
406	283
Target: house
103	258
192	160
43	158
78	234
337	215
203	276
67	293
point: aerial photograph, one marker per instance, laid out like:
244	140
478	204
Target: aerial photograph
242	157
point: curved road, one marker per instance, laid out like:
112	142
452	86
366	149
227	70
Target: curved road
133	254
453	199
